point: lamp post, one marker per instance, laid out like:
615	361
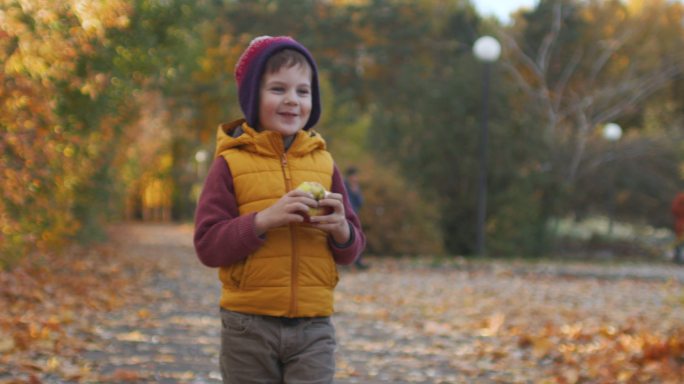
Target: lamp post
200	158
611	132
486	49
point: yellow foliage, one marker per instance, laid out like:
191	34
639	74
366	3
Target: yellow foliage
43	157
157	193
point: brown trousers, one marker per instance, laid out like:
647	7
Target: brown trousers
274	350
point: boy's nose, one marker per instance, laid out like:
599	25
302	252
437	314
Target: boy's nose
290	99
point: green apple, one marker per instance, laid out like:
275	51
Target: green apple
314	188
318	192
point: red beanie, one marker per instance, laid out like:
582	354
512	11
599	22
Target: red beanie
250	68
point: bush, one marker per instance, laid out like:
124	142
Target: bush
397	220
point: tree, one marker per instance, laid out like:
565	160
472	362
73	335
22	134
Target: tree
50	146
591	65
69	71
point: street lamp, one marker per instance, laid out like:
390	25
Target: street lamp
486	49
200	157
611	132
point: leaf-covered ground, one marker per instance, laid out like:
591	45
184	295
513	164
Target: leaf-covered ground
143	310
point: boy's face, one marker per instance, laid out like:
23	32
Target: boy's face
285	100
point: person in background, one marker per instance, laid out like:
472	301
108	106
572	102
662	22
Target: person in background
351	183
678	213
277	264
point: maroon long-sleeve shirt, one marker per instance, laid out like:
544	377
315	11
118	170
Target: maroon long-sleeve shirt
223	237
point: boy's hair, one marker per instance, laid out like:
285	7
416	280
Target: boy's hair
287	58
252	65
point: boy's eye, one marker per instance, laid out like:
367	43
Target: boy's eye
277	89
303	91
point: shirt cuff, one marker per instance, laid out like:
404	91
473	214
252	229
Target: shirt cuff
248	236
349	242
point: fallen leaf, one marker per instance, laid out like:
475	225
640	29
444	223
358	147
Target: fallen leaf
125	375
6	343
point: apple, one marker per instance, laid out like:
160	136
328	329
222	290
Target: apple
318	192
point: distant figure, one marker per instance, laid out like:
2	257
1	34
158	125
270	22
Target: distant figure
351	182
678	213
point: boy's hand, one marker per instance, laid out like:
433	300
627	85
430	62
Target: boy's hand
334	223
290	208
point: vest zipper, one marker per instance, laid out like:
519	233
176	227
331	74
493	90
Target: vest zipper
293	241
286	172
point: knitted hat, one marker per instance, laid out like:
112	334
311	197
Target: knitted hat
251	66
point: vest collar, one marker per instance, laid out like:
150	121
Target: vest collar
265	143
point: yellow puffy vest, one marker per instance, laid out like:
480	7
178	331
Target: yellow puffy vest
293	274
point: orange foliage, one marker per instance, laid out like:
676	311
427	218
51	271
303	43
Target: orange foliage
45	156
397	220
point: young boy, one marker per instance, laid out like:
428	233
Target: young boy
277	264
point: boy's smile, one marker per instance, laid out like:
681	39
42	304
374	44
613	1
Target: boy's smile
285	100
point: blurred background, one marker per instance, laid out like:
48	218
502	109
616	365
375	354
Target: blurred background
110	108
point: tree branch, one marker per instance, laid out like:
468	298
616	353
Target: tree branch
544	54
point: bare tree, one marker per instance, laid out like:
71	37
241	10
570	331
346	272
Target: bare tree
584	96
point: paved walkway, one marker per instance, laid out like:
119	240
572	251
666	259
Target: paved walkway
174	336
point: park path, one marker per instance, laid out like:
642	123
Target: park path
174	336
399	322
